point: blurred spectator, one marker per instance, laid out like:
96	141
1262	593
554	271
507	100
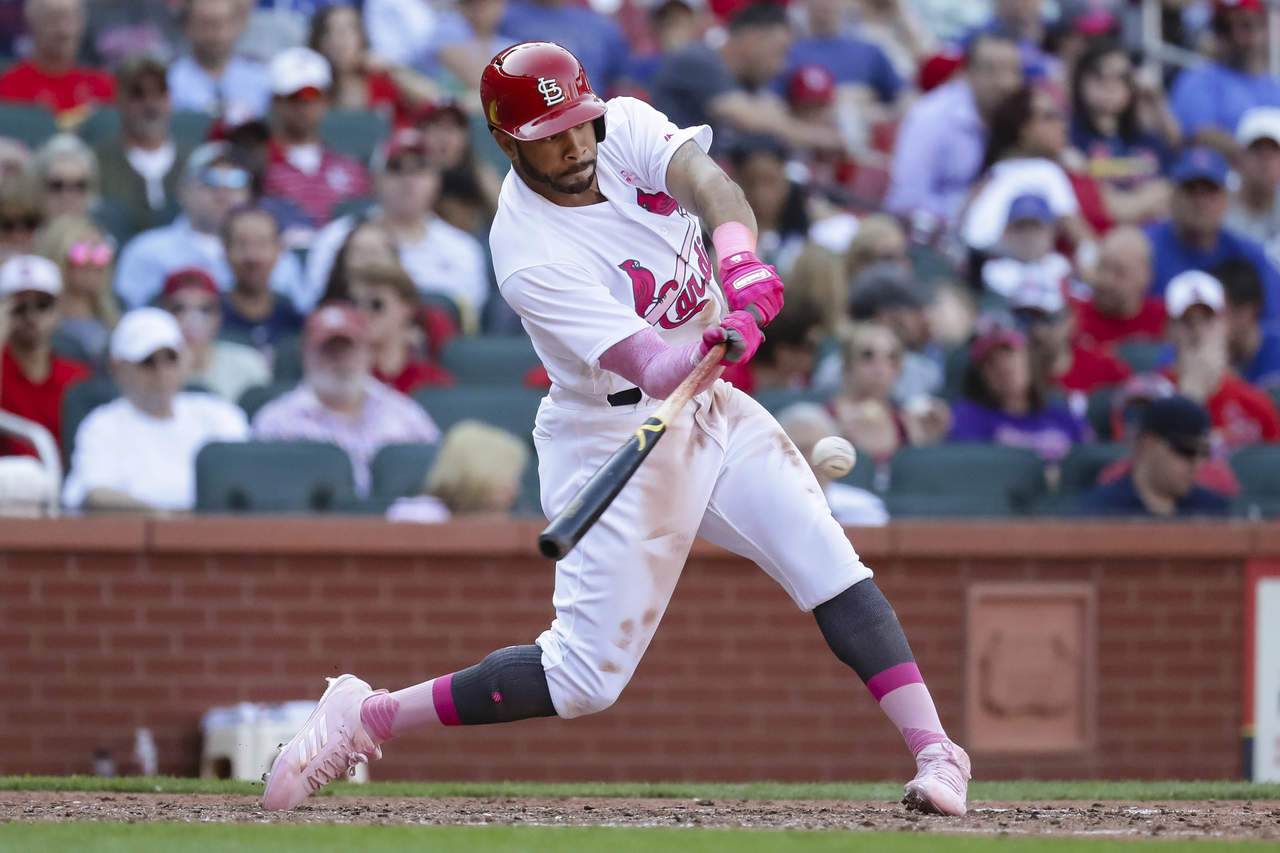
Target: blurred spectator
728	87
138	452
469	185
786	357
1002	402
214	182
34	378
1241	414
300	166
1118	308
441	258
50	77
592	37
939	147
1210	99
337	33
1171	447
339	400
477	471
879	240
15	157
1024	21
388	297
1253	209
22	212
865	410
368	243
674	24
1059	358
226	368
886	293
758	165
142	167
1193	238
251	313
1028	260
120	29
400	31
1124	153
270	26
68	171
1254	348
211	77
468	36
808	423
87	308
896	28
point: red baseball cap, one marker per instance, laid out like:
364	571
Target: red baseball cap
811	85
406	140
1221	7
185	277
994	331
430	111
334	320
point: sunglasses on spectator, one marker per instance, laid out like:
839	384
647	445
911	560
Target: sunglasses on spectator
59	185
29	222
225	177
39	303
208	309
374	305
140	93
158	358
1048	115
405	165
877	354
84	254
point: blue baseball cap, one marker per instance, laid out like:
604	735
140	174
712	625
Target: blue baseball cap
1200	164
1029	206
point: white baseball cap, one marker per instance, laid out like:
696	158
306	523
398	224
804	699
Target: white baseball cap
143	331
298	68
1193	287
30	272
1259	123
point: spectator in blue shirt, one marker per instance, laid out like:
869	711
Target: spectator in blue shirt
1254	348
942	139
858	66
1193	237
1210	100
596	40
212	78
1024	22
1172	445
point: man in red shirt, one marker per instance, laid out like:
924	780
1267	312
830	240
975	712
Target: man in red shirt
1059	357
50	77
33	379
1241	414
1118	309
300	167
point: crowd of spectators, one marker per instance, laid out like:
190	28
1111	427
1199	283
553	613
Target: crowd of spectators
1000	222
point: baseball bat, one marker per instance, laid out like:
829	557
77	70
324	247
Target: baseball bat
572	522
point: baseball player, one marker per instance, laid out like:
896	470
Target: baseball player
597	244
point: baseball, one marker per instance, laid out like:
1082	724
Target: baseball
833	456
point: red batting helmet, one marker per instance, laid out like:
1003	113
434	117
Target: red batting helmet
537	89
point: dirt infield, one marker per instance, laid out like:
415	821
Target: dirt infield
1206	819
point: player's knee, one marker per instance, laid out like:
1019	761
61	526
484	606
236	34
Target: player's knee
592	693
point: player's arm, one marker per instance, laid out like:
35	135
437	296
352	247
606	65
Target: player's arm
702	187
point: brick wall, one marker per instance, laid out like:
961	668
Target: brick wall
111	624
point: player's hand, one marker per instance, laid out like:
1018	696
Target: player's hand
751	285
739	331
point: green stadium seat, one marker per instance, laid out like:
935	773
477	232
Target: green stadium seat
1142	356
964	479
489	359
1258	470
25	123
776	399
484	146
190	128
400	470
103	125
69	346
355	133
954	364
1098	413
529	503
273	476
511	408
863	474
81	399
352	207
258	396
286	364
1084	462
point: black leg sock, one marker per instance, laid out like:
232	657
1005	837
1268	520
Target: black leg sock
861	628
510	684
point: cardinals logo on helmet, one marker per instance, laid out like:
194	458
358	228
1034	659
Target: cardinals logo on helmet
550	91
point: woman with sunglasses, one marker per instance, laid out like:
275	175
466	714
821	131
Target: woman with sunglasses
68	173
389	300
33	379
83	253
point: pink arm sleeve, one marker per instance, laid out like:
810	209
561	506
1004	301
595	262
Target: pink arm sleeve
647	360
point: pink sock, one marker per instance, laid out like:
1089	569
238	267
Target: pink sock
387	715
906	701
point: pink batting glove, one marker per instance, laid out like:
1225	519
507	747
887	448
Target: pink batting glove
751	285
738	329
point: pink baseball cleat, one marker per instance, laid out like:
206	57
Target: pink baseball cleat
330	745
942	780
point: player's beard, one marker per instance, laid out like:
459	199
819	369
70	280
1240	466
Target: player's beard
578	182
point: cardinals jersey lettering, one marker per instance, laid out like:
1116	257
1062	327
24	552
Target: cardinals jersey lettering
584	278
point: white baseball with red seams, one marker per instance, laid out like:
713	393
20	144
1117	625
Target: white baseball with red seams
582	279
833	456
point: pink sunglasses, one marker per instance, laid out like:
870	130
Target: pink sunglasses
84	254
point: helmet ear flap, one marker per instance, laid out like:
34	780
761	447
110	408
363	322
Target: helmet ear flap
599	126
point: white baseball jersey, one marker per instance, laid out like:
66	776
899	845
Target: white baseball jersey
584	278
